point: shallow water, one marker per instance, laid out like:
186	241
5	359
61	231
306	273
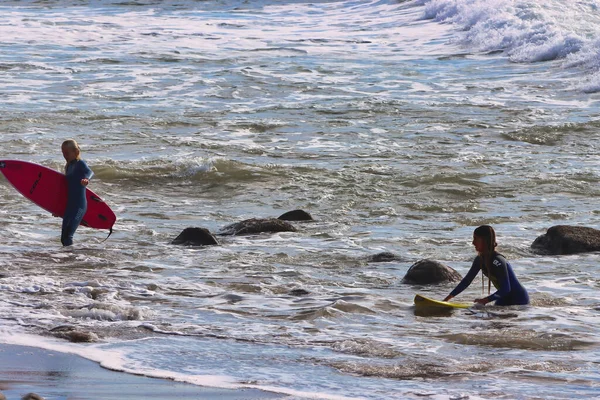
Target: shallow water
400	126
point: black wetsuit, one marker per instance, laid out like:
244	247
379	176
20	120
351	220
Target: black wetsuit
509	290
76	201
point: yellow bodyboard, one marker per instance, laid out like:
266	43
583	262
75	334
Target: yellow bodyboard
425	302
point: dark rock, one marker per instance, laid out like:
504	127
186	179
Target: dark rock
62	328
195	237
296	215
257	225
81	337
32	396
385	256
233	298
567	239
299	292
425	272
73	335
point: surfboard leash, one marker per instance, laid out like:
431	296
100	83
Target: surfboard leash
109	233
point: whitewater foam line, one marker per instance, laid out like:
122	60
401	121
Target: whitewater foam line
114	361
526	31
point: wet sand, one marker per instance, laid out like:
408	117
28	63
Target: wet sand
55	375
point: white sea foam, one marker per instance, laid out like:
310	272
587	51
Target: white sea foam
528	31
103	312
117	359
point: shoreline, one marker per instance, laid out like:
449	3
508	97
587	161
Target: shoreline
55	375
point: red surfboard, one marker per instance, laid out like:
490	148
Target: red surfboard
48	189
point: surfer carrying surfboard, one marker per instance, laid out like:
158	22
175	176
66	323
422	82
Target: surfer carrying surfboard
495	267
78	176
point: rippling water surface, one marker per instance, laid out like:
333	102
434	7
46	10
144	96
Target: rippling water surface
400	126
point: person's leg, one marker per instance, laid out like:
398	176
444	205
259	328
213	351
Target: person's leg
70	224
68	230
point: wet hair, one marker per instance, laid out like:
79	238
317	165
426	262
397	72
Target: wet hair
487	233
72	144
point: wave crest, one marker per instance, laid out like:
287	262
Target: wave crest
528	31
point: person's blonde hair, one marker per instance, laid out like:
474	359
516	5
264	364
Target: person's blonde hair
72	144
488	234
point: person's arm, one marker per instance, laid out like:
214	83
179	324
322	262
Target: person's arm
86	172
466	281
501	275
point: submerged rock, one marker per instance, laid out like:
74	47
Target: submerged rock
74	335
299	292
296	215
203	237
195	237
32	396
567	239
257	225
425	272
385	256
233	298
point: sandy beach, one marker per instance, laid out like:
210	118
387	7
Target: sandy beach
55	375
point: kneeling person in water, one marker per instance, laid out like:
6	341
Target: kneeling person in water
498	271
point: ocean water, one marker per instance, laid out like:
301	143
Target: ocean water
399	125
